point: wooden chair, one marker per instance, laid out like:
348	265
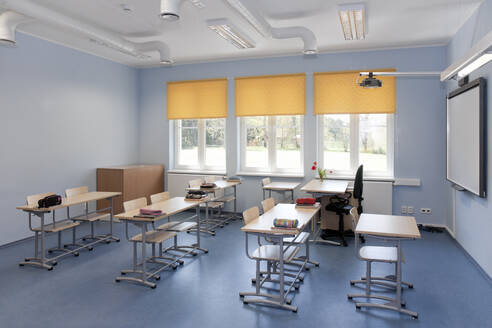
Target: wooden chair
91	218
160	197
268	204
153	237
55	227
174	226
370	254
269	254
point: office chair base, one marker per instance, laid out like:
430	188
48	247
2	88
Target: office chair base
37	263
273	301
390	278
379	297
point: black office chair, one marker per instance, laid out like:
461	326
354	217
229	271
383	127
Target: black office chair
340	204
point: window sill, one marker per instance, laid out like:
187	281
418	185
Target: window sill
270	174
204	172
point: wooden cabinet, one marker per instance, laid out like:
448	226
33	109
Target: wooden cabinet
133	181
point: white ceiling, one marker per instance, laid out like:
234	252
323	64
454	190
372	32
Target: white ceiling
391	24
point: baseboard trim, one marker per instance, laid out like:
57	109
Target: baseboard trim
13	243
470	258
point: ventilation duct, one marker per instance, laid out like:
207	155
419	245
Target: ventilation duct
97	35
8	25
265	29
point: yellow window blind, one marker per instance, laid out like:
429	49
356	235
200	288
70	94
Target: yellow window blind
271	95
197	99
338	93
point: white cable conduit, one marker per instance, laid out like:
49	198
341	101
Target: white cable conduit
8	26
265	29
102	37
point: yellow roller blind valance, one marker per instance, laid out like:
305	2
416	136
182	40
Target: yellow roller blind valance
271	95
197	99
338	93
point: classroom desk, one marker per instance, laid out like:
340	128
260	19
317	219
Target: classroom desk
280	187
42	260
322	188
263	226
220	185
389	227
168	207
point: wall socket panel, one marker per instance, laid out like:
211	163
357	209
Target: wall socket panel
403	210
410	209
424	210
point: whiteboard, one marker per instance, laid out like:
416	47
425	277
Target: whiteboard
464	139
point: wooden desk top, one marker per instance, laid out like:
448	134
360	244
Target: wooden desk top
75	200
387	226
281	186
264	224
220	184
168	207
325	186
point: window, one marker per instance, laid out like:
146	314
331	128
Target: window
272	144
348	140
200	144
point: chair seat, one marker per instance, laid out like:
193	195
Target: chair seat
299	239
226	199
272	253
177	226
379	253
212	205
154	237
93	217
168	225
58	226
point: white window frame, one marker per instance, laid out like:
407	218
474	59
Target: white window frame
355	148
201	166
271	148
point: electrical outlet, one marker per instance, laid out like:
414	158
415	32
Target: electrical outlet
410	209
424	210
403	210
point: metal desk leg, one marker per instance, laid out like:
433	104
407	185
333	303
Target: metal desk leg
40	261
111	213
197	245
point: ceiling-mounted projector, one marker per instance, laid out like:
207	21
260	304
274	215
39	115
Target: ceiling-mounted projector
371	82
170	10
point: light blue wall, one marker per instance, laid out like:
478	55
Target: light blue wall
473	214
63	114
419	123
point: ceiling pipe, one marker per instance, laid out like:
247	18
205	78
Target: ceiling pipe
98	35
266	30
170	10
9	21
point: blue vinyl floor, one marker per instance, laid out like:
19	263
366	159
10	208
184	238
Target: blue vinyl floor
80	292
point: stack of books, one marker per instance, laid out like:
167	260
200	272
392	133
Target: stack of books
234	179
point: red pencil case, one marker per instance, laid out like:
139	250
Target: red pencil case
305	201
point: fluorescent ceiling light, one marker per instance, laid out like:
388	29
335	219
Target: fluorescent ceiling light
479	62
230	33
352	18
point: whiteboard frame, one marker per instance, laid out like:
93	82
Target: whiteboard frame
478	83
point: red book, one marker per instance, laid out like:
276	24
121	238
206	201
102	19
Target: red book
305	201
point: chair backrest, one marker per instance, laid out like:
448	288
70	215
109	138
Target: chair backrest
265	181
76	191
358	187
251	214
268	204
160	197
134	204
33	199
195	183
